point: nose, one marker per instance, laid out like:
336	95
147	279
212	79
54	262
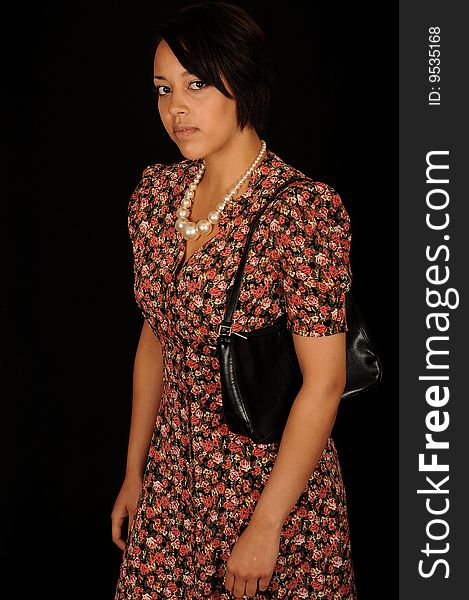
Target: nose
177	105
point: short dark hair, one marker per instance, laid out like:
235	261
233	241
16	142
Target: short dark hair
216	38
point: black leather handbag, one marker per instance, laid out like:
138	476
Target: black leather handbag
260	372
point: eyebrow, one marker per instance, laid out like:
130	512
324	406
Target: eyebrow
184	74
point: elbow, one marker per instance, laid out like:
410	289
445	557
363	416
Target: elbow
331	385
341	381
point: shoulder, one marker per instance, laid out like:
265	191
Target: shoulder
152	196
306	190
159	172
155	181
303	194
310	205
310	220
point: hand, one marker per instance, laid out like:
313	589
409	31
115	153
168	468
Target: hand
125	506
252	558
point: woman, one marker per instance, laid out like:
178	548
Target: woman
211	514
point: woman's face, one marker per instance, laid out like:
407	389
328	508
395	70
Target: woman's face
197	117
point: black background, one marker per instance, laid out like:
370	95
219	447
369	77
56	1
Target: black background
81	124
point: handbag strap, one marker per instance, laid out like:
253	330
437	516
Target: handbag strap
236	289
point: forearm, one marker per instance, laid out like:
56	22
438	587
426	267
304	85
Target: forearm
305	435
146	396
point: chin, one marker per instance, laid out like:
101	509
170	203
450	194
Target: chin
191	155
190	151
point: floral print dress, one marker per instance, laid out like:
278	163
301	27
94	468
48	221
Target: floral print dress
201	481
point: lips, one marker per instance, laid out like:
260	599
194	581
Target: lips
184	131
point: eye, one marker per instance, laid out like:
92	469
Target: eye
161	90
197	85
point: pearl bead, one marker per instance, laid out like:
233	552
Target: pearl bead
189	231
182	212
180	224
213	216
204	227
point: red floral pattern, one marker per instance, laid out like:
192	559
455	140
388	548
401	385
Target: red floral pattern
201	481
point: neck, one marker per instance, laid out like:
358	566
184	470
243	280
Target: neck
224	168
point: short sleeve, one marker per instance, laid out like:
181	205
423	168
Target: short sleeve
139	206
312	238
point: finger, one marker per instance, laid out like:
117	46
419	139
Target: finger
120	543
129	524
251	587
131	510
117	532
264	583
239	587
229	581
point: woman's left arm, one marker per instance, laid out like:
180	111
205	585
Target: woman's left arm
310	243
312	416
322	361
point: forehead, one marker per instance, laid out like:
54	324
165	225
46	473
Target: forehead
165	60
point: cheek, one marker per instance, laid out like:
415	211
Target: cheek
164	116
222	113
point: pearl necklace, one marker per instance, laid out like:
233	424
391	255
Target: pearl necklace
191	230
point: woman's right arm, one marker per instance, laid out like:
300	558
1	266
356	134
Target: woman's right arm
146	396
